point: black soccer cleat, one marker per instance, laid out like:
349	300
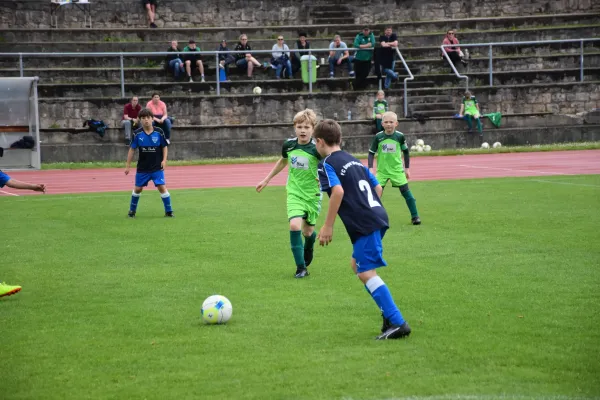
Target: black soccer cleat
386	324
308	256
131	214
169	214
395	332
301	273
416	221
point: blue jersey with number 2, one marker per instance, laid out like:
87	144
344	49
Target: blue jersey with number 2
361	210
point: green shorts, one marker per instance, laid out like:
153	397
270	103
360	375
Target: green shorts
397	180
472	112
308	210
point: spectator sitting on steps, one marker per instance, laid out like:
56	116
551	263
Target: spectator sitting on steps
281	58
301	44
245	60
130	118
339	54
454	52
469	108
150	6
225	58
192	60
174	62
387	55
161	118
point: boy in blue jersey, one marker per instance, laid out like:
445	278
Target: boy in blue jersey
152	161
354	194
5	180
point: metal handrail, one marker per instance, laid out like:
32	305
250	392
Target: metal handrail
164	53
410	78
490	55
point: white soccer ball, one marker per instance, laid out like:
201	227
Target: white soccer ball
216	310
485	145
413	148
427	148
419	149
257	90
496	145
420	142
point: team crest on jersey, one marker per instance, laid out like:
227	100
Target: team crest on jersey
154	139
388	147
299	162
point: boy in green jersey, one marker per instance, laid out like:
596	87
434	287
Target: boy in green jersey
387	145
380	106
470	109
303	192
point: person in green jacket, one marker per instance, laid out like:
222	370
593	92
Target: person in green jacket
362	60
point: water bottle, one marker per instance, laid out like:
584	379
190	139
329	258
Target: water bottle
467	54
349	115
335	116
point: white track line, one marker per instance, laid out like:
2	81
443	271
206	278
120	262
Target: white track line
10	194
514	170
564	183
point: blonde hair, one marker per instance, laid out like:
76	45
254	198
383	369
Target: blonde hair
380	92
389	114
306	115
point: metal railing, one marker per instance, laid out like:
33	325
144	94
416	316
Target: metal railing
215	53
490	54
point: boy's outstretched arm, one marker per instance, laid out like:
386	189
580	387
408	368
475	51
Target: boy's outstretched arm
12	183
335	200
279	166
129	158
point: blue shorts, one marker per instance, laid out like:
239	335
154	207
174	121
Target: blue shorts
368	251
3	179
142	178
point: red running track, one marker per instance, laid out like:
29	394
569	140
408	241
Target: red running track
244	175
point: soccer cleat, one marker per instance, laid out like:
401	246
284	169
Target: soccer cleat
7	290
395	332
386	324
169	214
301	273
416	221
131	214
308	256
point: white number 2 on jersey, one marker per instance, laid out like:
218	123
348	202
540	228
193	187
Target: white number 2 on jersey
364	186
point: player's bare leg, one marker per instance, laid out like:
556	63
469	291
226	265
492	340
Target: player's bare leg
166	199
200	69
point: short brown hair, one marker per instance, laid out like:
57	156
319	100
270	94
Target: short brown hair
328	130
145	113
307	116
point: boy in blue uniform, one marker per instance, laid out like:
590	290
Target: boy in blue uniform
5	180
152	161
354	195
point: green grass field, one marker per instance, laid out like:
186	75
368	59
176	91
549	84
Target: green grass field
501	285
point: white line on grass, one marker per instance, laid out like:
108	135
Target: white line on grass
514	170
565	183
11	194
66	196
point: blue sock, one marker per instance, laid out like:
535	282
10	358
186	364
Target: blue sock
383	298
166	198
135	197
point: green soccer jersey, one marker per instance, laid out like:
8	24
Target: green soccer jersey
379	107
470	104
302	163
388	150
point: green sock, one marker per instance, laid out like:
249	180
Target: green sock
469	123
411	202
309	241
479	127
297	248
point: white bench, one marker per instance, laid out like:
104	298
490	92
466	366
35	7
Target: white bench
83	5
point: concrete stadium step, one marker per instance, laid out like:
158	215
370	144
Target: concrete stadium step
194	109
333	20
440	107
467	28
338	12
280	131
201	149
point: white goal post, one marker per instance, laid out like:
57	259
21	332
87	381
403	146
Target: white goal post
19	122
